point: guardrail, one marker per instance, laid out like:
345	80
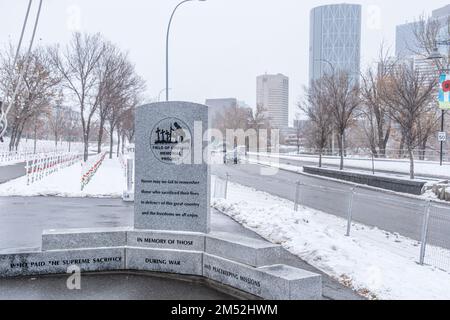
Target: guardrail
89	169
41	165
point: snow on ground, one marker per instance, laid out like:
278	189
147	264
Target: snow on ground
109	181
431	168
378	264
42	145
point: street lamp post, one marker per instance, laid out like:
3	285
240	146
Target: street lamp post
167	45
436	56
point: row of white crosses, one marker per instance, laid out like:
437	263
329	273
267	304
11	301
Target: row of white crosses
90	168
44	165
22	155
14	156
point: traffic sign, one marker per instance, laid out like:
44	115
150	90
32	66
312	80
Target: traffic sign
442	136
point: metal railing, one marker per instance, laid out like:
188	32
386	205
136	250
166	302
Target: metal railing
424	221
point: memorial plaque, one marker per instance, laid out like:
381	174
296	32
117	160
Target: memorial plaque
58	261
172	177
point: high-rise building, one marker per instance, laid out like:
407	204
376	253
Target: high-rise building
221	105
272	93
335	40
406	44
442	13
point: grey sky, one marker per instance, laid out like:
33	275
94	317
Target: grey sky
218	47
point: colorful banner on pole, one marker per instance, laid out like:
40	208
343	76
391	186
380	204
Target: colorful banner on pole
444	91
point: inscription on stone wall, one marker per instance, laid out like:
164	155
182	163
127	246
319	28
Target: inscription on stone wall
232	275
63	262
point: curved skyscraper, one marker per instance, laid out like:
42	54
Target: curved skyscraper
335	39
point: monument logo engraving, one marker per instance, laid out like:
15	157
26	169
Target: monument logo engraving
171	141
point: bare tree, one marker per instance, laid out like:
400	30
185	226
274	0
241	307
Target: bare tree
409	96
298	132
128	128
38	89
72	128
57	119
255	120
427	32
342	93
107	69
427	126
78	67
122	90
235	118
378	125
317	108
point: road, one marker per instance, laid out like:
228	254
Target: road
13	171
22	220
387	211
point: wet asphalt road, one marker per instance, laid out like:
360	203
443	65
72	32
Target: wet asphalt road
23	219
391	212
12	172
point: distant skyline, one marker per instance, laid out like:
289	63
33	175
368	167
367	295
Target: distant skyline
218	47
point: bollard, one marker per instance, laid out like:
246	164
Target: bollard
423	245
349	213
297	195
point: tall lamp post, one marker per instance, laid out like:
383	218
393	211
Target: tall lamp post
167	45
436	56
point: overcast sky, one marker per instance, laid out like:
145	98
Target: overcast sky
218	47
